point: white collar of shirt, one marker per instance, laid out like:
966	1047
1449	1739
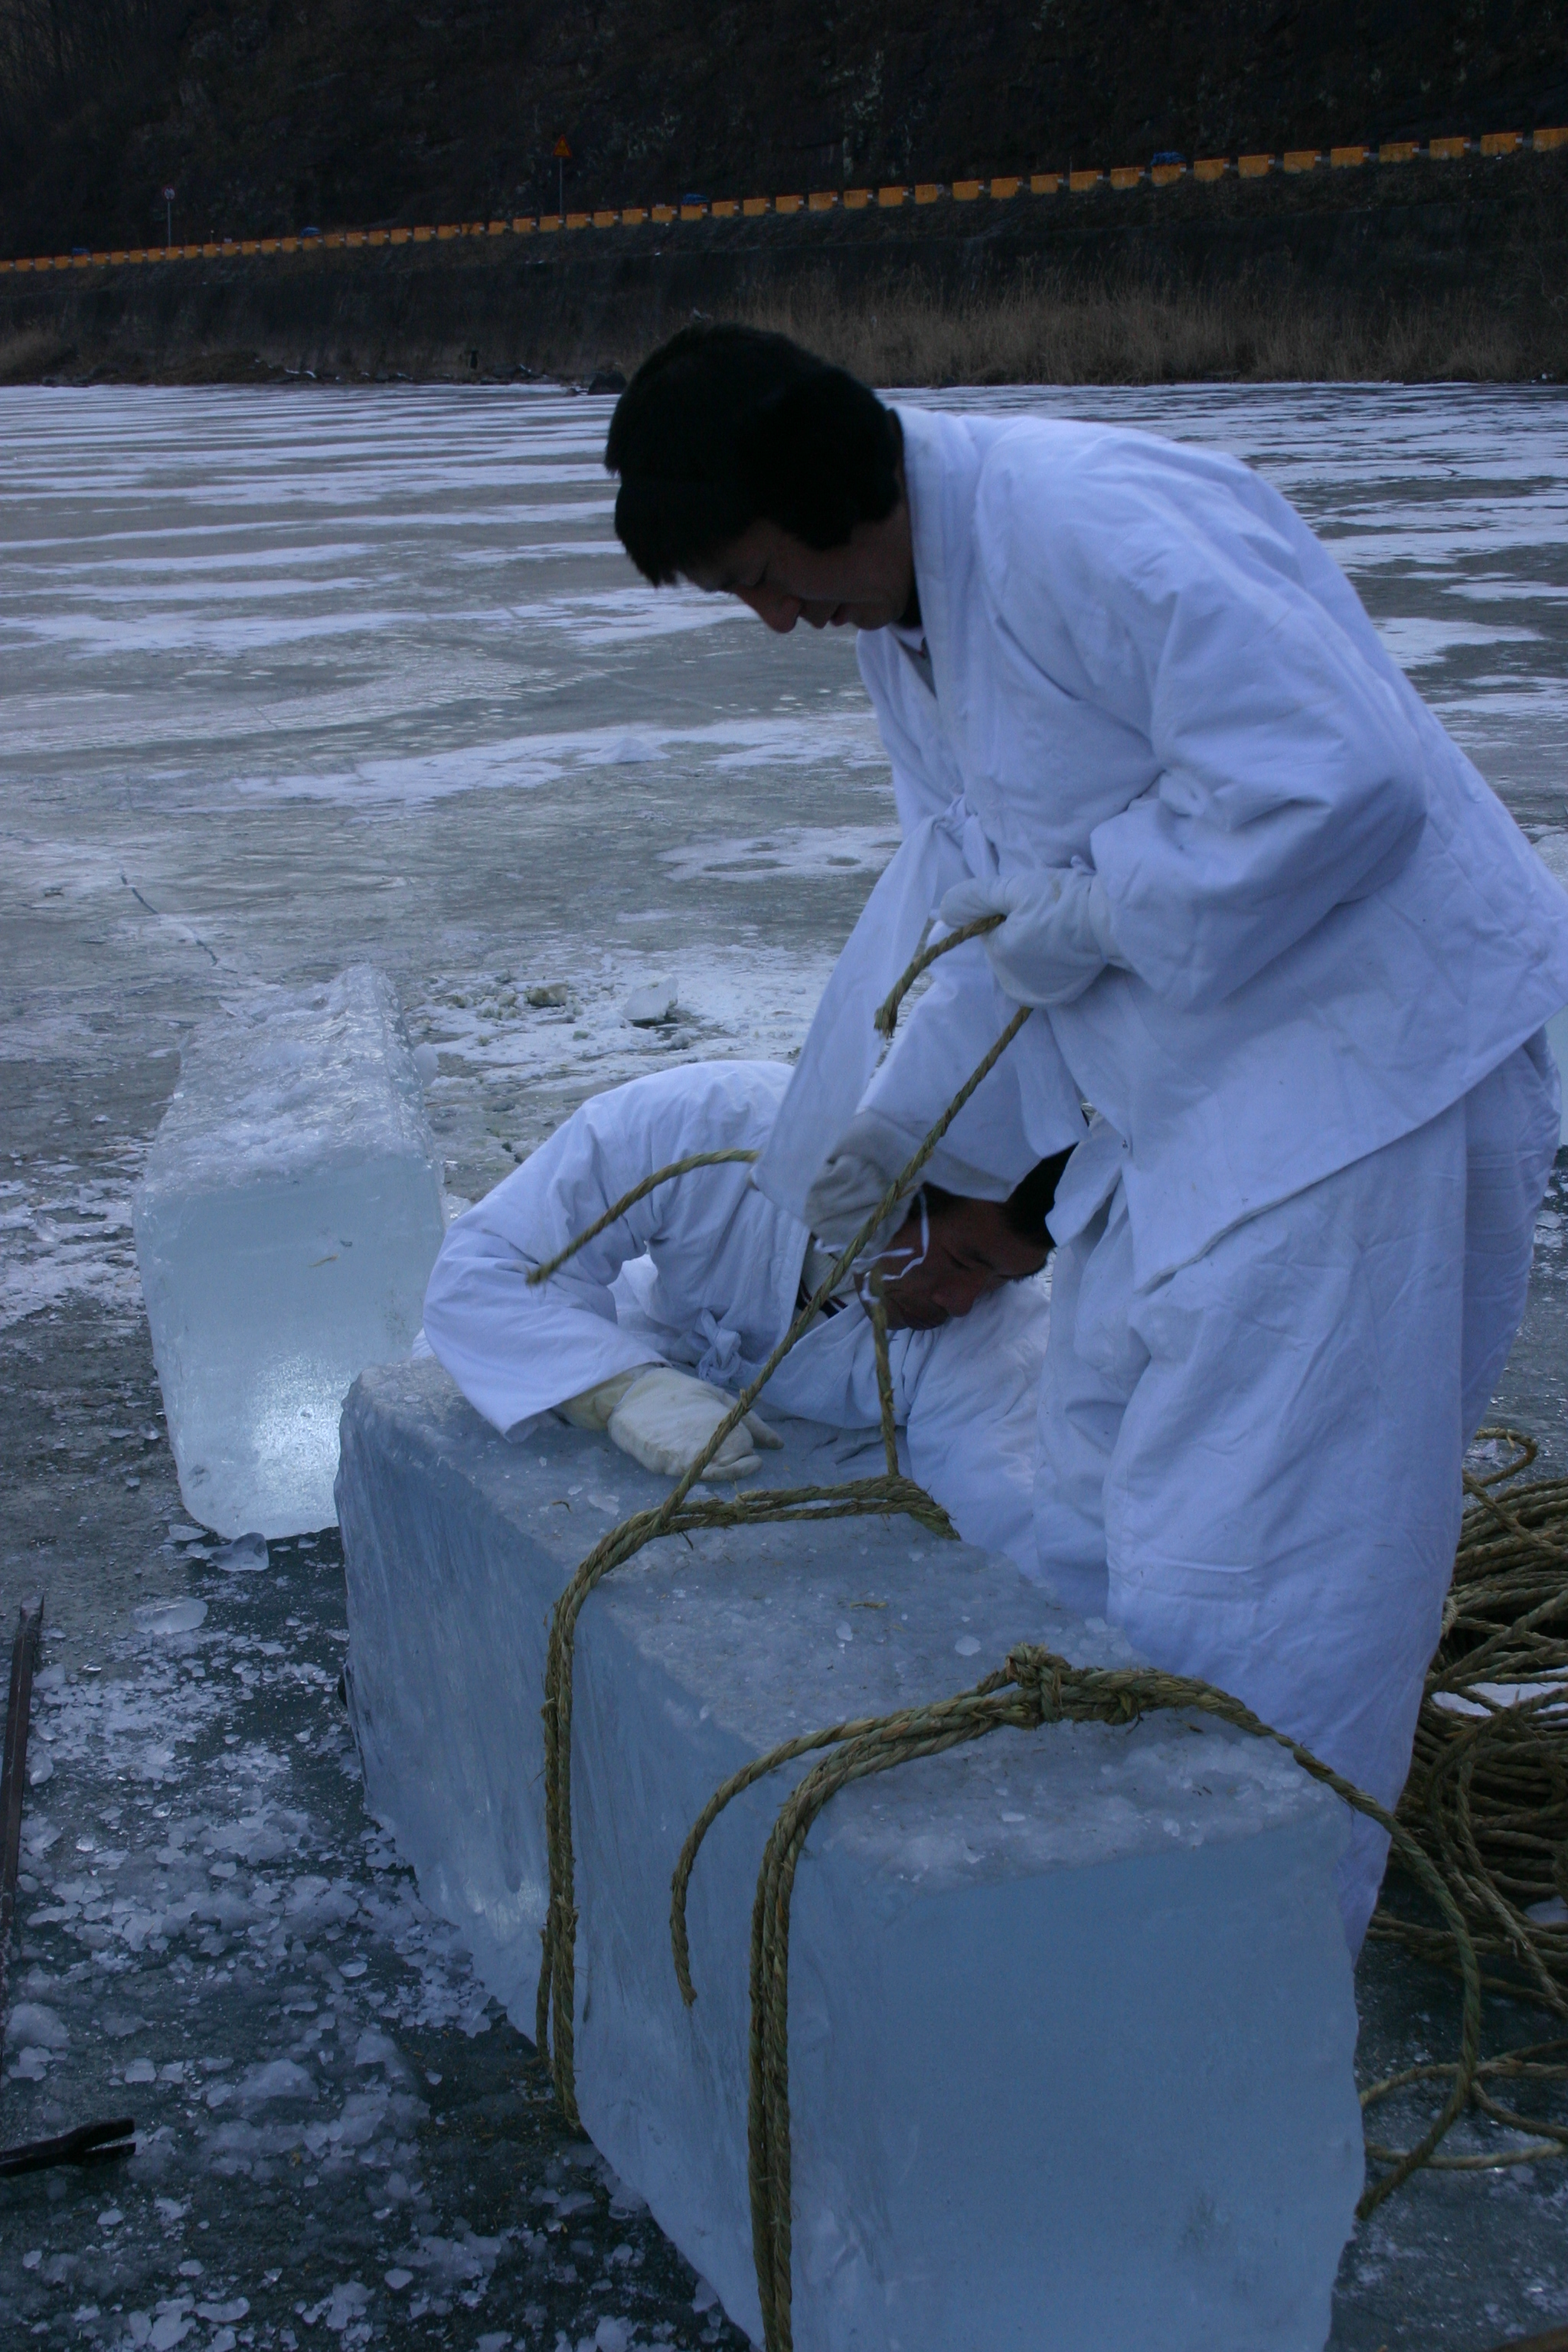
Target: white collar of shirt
912	644
819	1263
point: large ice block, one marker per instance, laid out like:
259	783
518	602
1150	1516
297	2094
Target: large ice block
286	1227
1071	2015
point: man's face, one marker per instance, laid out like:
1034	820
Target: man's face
863	584
969	1252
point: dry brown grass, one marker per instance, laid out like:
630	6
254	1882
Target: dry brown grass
27	354
1035	329
1049	332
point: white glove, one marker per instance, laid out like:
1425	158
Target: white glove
1056	939
663	1419
858	1170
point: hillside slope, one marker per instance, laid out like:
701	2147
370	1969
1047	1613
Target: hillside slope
1429	270
266	117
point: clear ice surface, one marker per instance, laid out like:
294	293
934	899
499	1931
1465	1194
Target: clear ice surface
1071	2021
293	679
286	1226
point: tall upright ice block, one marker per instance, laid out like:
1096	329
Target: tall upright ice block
1072	2018
286	1226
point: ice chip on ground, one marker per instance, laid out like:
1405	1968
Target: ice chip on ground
40	1768
287	1223
279	2078
427	1062
32	2026
246	1556
348	2300
375	2048
1094	2059
172	1616
648	1008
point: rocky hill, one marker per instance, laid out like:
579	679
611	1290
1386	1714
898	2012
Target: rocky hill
287	112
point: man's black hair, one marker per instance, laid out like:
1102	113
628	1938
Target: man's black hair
727	426
1028	1205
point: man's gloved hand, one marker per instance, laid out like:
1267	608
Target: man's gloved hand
1056	939
664	1418
854	1179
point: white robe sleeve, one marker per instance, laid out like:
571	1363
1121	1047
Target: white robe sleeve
842	1047
1026	1109
1291	779
517	1351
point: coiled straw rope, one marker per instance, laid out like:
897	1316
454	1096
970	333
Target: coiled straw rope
1488	1792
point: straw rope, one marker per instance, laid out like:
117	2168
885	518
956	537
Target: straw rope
885	1018
556	1999
617	1209
1487	1798
1035	1688
877	1308
1469	1828
1496	1781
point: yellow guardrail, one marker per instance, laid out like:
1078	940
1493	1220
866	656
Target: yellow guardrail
999	190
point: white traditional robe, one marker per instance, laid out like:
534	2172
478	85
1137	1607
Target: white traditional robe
705	1274
1294	1250
1146	664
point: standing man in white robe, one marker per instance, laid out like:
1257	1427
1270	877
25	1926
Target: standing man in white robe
1283	938
646	1327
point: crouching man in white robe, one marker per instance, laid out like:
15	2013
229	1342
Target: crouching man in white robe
650	1329
1280	933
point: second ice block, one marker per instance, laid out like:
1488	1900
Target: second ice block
286	1226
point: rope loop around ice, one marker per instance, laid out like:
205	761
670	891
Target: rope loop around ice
1033	1688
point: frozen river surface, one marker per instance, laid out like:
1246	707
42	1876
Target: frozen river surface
290	680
